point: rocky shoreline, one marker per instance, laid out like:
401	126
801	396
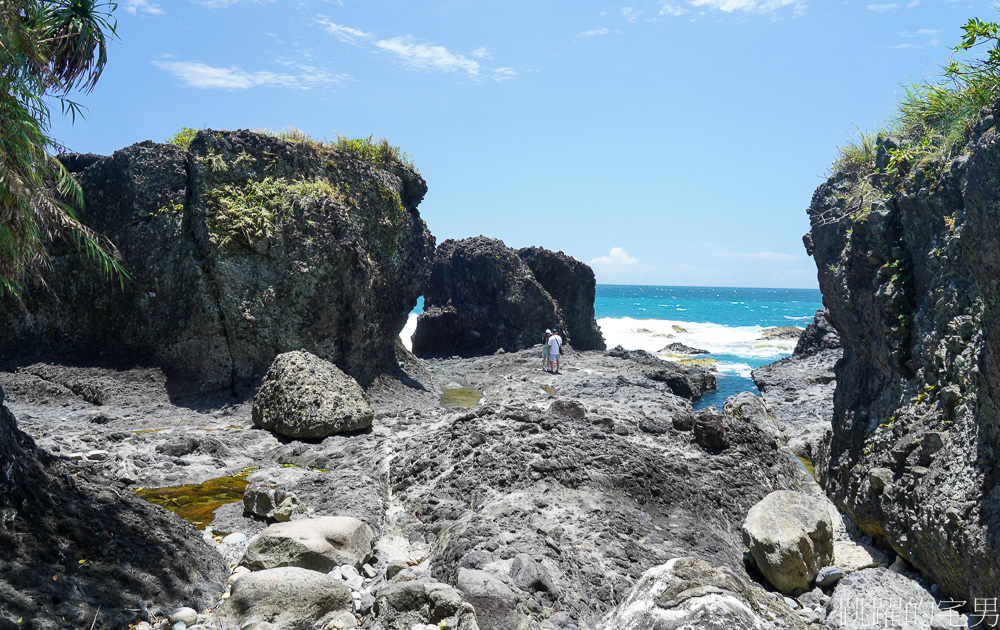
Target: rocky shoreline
542	505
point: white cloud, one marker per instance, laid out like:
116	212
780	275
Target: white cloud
758	256
502	74
345	34
597	31
481	53
930	34
882	8
749	6
617	256
134	7
427	56
630	14
669	8
203	76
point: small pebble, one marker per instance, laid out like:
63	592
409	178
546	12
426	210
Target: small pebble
370	571
189	616
348	571
355	583
180	625
336	573
791	603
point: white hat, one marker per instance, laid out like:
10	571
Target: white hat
548	332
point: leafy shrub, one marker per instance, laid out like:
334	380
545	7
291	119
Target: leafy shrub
183	137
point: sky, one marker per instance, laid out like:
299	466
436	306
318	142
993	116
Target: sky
672	142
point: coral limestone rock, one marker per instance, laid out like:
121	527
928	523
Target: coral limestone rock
303	396
691	594
790	536
319	544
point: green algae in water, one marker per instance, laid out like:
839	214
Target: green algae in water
460	397
551	391
808	465
197	504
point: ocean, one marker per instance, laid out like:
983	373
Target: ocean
725	321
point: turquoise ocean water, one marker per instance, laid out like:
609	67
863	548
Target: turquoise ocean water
725	321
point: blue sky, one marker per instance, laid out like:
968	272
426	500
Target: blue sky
663	141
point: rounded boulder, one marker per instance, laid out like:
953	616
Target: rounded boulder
790	536
303	396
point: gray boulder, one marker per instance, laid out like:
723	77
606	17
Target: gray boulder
790	536
884	599
495	603
289	598
750	408
303	396
691	594
407	603
319	544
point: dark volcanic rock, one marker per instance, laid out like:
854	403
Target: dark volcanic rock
572	285
819	335
76	162
799	389
687	381
481	297
681	348
242	247
65	538
911	275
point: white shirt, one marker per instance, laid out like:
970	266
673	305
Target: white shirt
555	344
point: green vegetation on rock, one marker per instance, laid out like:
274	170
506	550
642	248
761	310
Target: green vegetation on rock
249	212
377	151
932	125
183	137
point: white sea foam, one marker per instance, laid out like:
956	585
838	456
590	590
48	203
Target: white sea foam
652	335
804	318
406	335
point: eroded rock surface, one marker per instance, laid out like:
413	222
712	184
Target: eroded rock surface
911	283
303	396
240	248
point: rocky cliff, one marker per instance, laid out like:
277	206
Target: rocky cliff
908	266
482	297
572	285
237	249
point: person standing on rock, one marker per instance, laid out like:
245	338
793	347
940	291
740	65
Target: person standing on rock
555	348
546	364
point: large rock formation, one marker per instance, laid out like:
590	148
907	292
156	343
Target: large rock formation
572	285
240	248
909	270
481	297
799	389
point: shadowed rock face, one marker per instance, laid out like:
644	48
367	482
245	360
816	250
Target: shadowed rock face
911	285
481	297
233	259
572	285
